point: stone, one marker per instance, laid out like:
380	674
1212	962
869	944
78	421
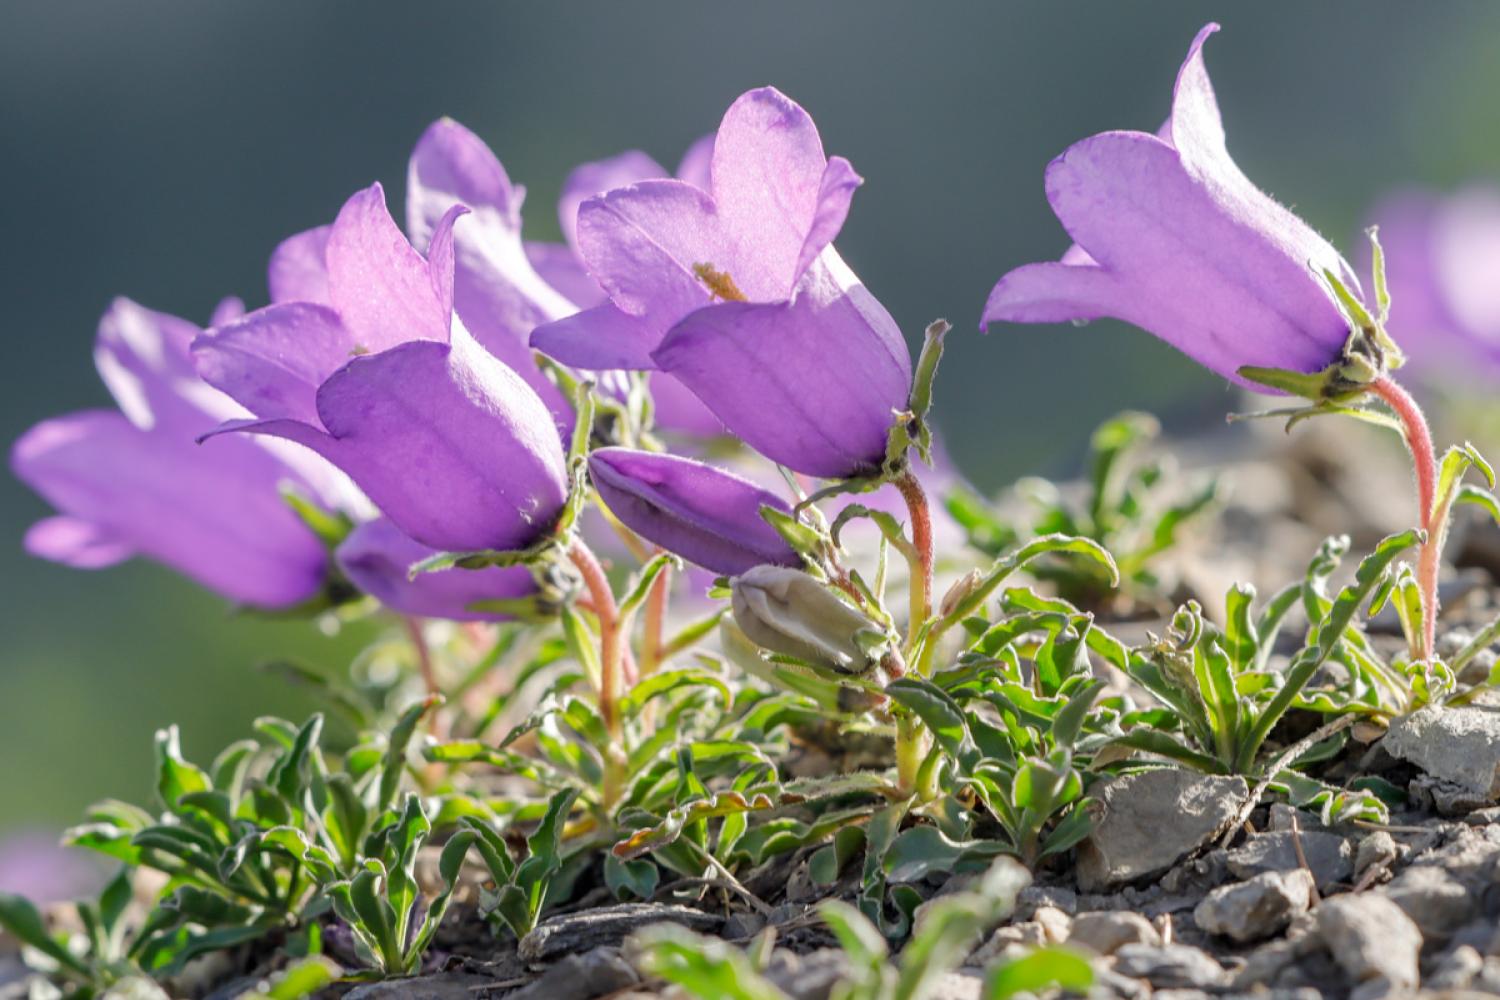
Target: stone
1029	899
1256	908
1056	925
1106	931
1172	966
1130	841
1461	745
1328	855
807	977
569	933
1371	938
1375	850
592	974
1435	901
443	986
1455	969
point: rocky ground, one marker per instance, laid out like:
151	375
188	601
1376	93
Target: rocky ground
1186	888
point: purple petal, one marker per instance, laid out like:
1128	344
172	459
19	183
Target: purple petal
377	558
451	165
273	360
834	195
696	167
1466	258
813	383
643	242
589	179
561	268
143	358
212	513
600	339
675	408
383	290
1183	245
448	442
75	542
706	515
298	271
229	309
769	182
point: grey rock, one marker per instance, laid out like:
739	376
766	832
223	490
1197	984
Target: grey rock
1025	935
1376	849
1172	966
1461	745
1256	908
1131	842
1436	902
1371	938
1055	924
958	985
582	977
444	986
807	977
1328	855
1034	896
1105	932
1455	969
1446	798
606	925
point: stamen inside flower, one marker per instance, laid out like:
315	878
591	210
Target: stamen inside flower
719	282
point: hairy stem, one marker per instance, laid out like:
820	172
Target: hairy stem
423	653
608	614
1424	460
656	622
921	537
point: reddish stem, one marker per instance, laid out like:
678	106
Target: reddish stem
1424	460
656	622
424	654
608	613
921	537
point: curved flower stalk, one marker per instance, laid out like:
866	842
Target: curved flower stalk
134	482
377	558
1442	254
706	515
1172	237
737	292
451	444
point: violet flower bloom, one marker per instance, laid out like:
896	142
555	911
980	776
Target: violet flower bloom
386	384
1172	237
676	408
377	558
738	292
1442	257
706	515
134	482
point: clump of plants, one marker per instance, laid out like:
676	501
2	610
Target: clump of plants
623	672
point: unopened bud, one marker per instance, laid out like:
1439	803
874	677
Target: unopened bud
962	588
787	611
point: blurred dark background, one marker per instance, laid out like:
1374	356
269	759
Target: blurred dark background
159	150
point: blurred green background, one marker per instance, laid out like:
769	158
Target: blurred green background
160	149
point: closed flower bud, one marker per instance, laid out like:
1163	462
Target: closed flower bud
790	612
962	588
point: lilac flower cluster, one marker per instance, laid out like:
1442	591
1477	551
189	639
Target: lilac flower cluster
422	372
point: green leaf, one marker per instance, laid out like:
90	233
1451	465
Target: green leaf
672	825
1483	499
394	761
1290	382
706	968
580	644
920	851
1018	559
1043	968
301	979
25	924
644	578
938	711
1067	724
175	777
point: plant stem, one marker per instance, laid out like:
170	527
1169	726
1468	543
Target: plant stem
911	750
921	537
611	668
1424	460
424	654
656	622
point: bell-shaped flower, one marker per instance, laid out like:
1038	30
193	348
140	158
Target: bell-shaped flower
787	611
1442	261
706	515
737	291
385	383
377	558
135	482
676	408
1172	237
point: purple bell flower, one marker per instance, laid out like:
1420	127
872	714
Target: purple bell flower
385	383
1442	258
706	515
1172	237
377	558
737	291
134	482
